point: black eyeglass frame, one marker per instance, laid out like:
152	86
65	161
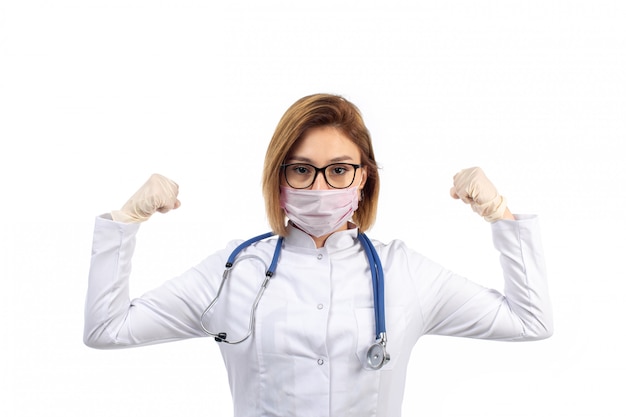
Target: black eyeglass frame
323	171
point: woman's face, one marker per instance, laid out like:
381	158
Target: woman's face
321	146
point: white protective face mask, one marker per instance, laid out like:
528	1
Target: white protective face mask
319	212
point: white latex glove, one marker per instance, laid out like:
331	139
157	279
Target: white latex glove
472	186
157	194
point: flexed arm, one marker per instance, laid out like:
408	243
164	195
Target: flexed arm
464	308
167	313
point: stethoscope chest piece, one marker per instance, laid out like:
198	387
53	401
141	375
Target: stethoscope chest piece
377	355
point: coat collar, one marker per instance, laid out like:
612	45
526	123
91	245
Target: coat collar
337	241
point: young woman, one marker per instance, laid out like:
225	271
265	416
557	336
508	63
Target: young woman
318	319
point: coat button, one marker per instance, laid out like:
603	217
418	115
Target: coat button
320	306
320	361
319	256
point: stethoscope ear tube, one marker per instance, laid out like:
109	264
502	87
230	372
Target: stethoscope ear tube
242	246
230	263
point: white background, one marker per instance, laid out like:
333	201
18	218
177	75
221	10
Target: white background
95	96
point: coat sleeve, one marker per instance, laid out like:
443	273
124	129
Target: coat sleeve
455	306
168	313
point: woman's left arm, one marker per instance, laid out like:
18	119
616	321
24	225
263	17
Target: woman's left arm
452	305
524	312
524	272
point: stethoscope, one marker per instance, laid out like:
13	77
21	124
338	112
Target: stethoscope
377	354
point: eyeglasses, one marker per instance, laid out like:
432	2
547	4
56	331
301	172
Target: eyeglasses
339	175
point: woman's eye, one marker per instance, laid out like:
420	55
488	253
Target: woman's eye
339	170
302	170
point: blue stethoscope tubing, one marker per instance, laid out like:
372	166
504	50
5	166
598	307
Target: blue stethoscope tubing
272	268
377	354
378	283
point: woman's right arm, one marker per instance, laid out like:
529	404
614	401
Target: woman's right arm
169	312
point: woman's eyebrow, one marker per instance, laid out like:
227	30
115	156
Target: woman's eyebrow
309	161
342	158
299	159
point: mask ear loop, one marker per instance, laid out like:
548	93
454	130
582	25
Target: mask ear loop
363	177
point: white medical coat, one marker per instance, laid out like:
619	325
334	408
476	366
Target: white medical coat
315	321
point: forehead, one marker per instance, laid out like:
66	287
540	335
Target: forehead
324	144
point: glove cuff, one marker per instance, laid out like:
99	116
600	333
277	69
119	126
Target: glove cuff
492	210
123	217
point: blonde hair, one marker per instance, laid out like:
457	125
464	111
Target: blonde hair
315	111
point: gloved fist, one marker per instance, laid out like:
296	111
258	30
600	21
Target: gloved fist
157	194
473	187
